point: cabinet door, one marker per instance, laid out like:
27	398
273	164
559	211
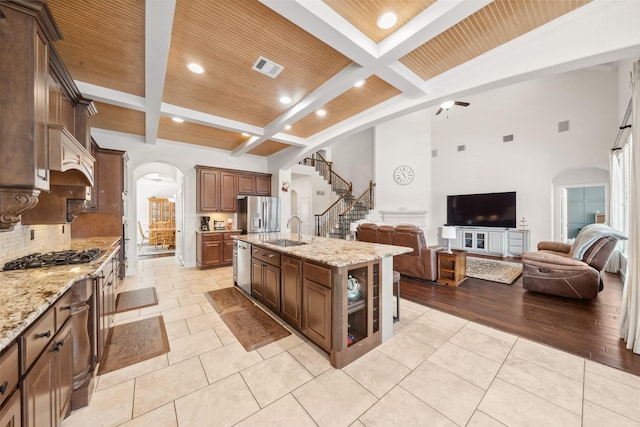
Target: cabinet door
212	252
257	282
208	197
38	395
263	185
291	291
496	242
271	280
10	415
246	184
227	252
316	313
63	372
228	191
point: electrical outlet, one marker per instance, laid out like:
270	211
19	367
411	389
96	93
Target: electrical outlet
33	234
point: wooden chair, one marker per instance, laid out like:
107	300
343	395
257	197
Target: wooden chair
142	236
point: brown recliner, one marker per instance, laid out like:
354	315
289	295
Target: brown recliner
553	270
421	263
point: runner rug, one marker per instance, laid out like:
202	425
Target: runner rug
134	342
132	300
249	323
493	270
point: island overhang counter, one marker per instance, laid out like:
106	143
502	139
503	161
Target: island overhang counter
337	293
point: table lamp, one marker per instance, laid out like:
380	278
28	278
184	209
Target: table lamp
448	232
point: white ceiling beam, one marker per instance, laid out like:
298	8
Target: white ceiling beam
157	33
110	96
201	118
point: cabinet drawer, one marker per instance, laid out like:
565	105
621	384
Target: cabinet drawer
8	372
212	237
267	256
63	309
36	339
318	274
229	235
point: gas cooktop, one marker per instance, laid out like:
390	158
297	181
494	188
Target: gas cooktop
52	258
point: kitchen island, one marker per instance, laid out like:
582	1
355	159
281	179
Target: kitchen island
337	293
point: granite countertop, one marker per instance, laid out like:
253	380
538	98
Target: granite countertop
334	252
25	294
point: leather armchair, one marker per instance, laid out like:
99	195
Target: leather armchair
554	270
421	263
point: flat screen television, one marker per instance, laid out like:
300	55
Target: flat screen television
482	210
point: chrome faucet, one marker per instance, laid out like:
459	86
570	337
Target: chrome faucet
299	226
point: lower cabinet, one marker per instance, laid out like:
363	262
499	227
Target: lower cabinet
316	304
291	291
265	278
214	249
10	416
48	386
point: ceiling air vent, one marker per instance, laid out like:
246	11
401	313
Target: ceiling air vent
563	126
507	138
267	67
462	147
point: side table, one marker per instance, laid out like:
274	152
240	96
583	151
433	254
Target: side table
452	267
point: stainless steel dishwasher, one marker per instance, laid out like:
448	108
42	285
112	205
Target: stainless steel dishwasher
244	266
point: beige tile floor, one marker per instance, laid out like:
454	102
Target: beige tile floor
437	370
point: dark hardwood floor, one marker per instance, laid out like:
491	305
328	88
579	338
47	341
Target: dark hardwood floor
585	328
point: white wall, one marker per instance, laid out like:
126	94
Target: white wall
531	112
403	141
352	159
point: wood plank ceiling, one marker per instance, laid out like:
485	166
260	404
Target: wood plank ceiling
104	50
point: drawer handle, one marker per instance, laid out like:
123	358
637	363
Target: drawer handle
58	345
271	256
4	387
44	334
66	307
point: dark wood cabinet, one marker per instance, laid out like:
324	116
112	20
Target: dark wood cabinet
26	32
316	304
291	290
228	192
207	190
209	249
48	386
11	415
217	189
265	278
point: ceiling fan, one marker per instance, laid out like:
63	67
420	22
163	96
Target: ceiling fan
449	104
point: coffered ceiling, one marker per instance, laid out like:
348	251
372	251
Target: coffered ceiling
131	56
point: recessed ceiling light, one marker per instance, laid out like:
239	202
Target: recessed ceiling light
196	68
245	134
387	20
285	100
321	112
177	119
446	105
287	127
359	83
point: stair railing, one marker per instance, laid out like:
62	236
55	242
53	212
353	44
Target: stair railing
331	216
338	184
364	202
365	199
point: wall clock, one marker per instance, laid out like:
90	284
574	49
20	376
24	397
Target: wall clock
403	175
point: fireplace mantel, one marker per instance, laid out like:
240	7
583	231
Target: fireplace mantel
404	216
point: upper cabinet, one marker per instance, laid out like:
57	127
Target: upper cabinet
26	30
217	190
45	138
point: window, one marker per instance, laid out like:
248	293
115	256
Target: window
625	166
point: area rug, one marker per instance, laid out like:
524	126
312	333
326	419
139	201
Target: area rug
226	299
253	327
493	270
249	323
134	342
132	300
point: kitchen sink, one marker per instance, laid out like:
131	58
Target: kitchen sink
286	242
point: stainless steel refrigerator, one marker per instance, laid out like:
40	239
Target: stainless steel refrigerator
257	214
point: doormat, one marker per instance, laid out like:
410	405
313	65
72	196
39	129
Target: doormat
226	299
132	300
253	327
493	270
134	342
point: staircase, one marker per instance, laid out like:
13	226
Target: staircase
334	222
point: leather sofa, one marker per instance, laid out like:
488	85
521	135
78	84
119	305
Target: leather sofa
421	263
558	269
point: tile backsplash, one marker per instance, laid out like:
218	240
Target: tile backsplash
17	243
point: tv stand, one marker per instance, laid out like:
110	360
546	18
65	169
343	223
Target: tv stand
504	242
